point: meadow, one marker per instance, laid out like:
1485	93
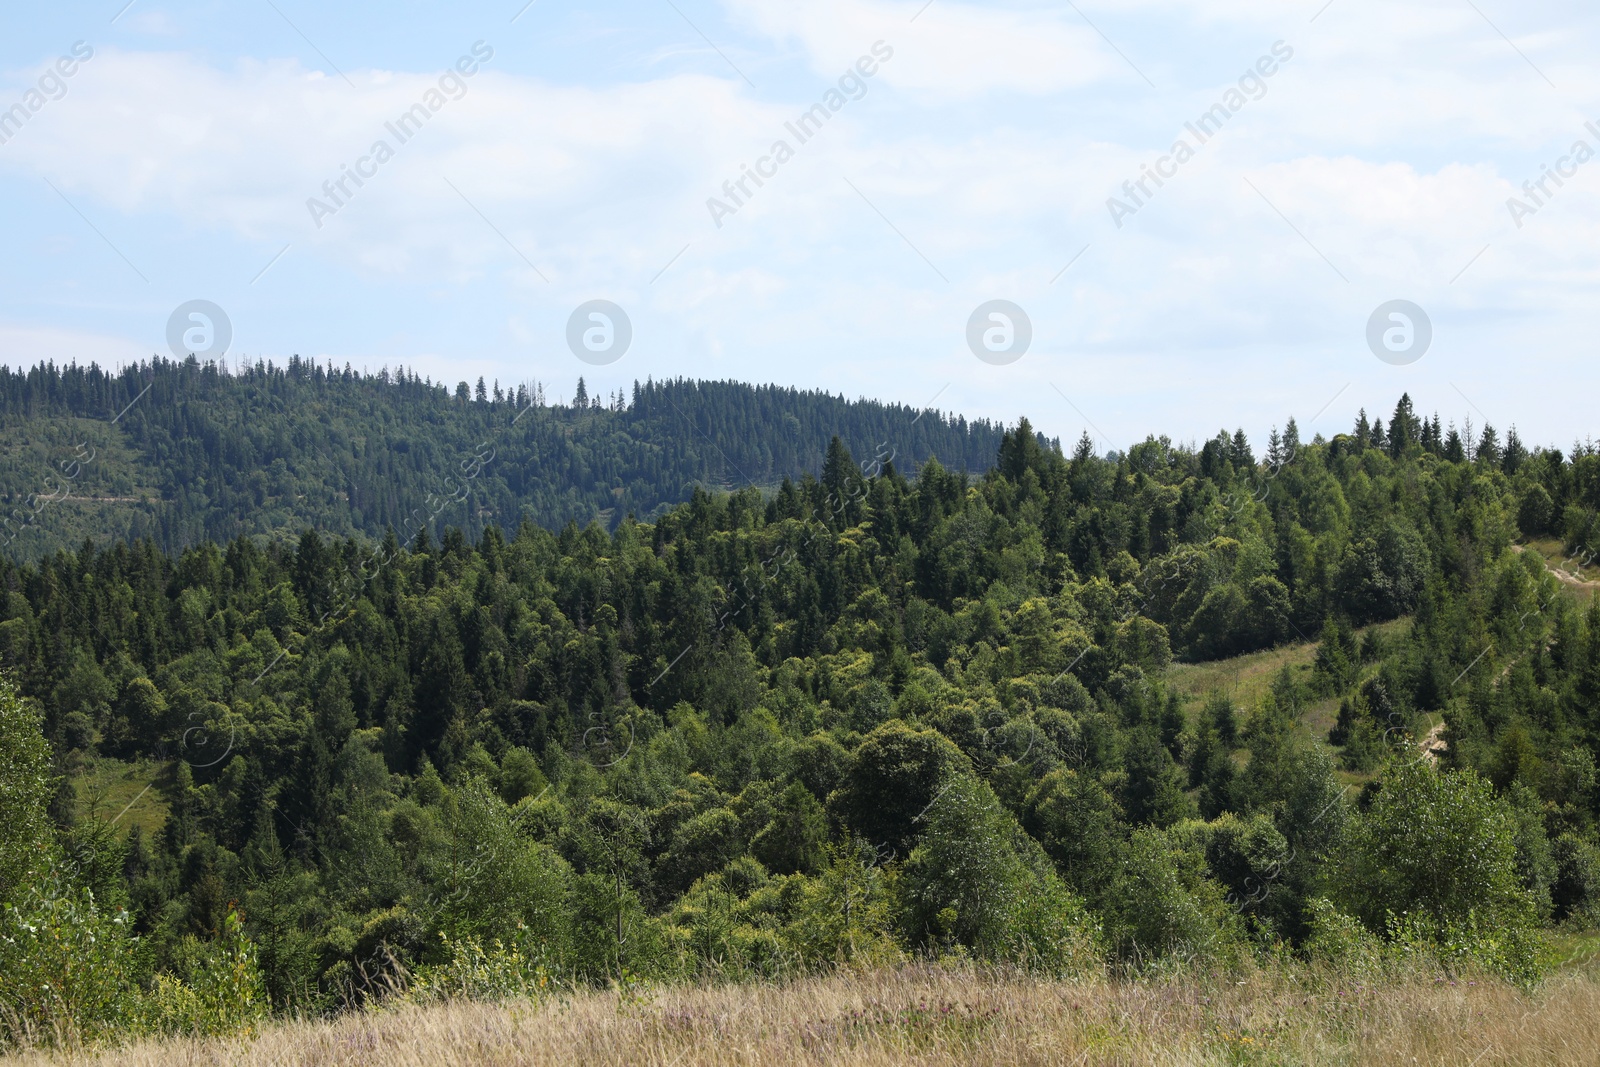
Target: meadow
948	1015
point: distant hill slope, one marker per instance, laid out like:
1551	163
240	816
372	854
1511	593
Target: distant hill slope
202	453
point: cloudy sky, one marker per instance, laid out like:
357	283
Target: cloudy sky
975	163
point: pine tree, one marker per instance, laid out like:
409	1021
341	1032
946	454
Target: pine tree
1515	455
1403	427
1084	451
1488	449
1243	458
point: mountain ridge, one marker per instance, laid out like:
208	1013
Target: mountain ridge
186	451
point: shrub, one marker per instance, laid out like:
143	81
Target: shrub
225	992
976	880
472	971
497	880
703	844
893	776
965	879
1512	950
842	916
1164	904
1439	844
1340	939
1576	892
1051	930
68	973
25	790
1434	861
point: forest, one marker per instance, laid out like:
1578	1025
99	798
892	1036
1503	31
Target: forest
889	709
184	452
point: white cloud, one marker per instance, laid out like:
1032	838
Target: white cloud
950	51
244	149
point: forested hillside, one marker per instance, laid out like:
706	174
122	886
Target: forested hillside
858	719
183	452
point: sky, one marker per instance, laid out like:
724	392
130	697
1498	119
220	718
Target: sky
1335	158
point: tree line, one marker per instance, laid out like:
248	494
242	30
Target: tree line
184	452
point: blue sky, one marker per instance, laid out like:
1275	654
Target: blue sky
975	163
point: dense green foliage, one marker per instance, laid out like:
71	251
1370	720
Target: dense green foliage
856	718
24	791
184	452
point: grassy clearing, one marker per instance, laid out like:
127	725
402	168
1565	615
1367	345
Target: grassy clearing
126	793
1319	717
1246	679
947	1016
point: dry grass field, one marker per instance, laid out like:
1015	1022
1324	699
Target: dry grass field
940	1016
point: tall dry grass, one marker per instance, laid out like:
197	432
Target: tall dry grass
939	1016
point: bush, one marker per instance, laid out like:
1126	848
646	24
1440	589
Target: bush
1164	904
68	973
976	881
1439	844
842	916
1576	891
471	971
1052	931
792	841
1536	512
1248	857
1512	950
226	992
72	973
25	790
1434	861
703	844
496	879
1339	939
1416	945
1076	821
893	776
964	879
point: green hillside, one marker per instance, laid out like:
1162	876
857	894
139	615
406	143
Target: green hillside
1078	715
183	452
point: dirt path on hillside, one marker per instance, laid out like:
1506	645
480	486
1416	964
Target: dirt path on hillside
1566	577
1434	744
